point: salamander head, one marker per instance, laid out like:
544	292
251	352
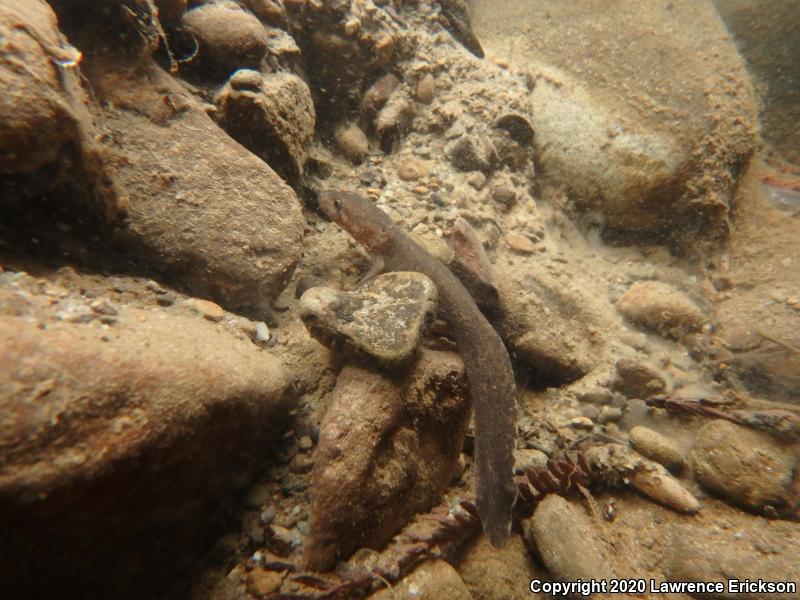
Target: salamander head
369	225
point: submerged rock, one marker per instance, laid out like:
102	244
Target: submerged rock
749	467
383	320
228	38
46	134
273	118
567	541
651	146
432	579
490	572
657	447
660	307
387	450
203	209
547	325
352	142
637	380
748	551
468	153
95	449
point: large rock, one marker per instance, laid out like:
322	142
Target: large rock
547	324
494	573
568	542
388	449
432	579
123	431
46	134
272	117
767	33
749	467
202	208
645	114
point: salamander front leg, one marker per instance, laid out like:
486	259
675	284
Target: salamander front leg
376	267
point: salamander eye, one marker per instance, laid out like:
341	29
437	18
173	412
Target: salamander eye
337	204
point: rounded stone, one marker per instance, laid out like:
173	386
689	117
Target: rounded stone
657	447
228	38
662	308
426	89
749	467
352	142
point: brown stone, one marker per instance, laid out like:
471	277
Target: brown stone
192	186
748	467
426	89
110	431
662	308
228	38
386	451
432	579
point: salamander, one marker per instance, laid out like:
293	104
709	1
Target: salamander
486	360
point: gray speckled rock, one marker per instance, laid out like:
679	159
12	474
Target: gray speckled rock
616	127
749	467
383	320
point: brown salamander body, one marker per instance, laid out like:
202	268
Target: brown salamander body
488	366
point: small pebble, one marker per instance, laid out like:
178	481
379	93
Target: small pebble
653	445
581	423
305	443
477	180
412	169
590	411
528	458
504	195
379	92
301	463
352	142
261	582
426	89
280	540
209	310
262	335
165	299
267	515
254	529
520	243
609	414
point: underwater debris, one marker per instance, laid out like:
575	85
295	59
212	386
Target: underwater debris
780	423
446	524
